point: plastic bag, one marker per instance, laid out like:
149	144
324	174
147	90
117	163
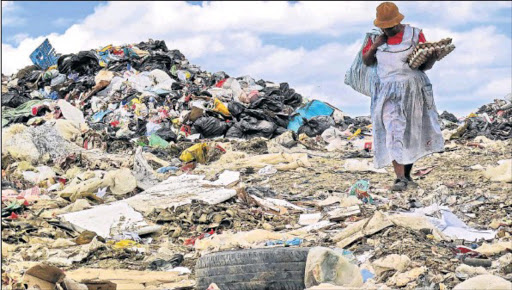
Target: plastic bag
220	107
235	131
162	79
236	109
310	110
183	75
61	78
13	99
196	152
360	77
210	127
291	98
84	63
270	103
151	128
156	141
167	134
250	127
316	125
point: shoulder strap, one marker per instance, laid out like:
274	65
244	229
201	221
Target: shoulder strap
416	35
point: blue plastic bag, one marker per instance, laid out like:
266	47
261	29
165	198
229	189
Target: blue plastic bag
310	110
99	116
167	169
292	242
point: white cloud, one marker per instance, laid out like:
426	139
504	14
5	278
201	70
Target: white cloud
62	22
494	88
10	15
229	36
18	38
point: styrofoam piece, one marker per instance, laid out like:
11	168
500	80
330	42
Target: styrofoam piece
309	218
180	190
106	220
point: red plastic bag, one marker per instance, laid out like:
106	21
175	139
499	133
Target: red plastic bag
220	83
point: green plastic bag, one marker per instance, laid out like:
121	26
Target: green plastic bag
156	141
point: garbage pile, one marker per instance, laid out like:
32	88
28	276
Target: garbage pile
147	90
127	167
493	121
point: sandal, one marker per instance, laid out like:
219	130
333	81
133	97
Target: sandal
411	183
400	185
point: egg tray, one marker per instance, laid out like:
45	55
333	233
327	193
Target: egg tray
423	51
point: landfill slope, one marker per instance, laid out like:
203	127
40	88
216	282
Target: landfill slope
126	167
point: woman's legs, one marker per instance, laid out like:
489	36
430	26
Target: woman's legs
399	170
408	169
401	181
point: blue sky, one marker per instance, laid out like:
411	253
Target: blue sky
44	17
308	44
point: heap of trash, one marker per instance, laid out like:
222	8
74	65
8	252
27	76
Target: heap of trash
127	167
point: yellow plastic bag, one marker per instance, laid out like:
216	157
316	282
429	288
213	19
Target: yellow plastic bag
123	244
221	108
355	134
51	67
196	152
108	47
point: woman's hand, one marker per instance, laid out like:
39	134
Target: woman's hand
430	62
380	40
369	57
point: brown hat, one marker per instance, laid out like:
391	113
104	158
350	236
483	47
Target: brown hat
387	15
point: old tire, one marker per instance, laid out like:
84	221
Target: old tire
254	269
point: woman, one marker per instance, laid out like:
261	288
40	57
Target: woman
404	115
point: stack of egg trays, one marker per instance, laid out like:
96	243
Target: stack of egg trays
423	51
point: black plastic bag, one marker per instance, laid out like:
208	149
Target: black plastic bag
152	62
153	45
272	91
209	127
235	132
167	134
290	97
257	128
14	99
177	86
316	125
236	109
449	116
84	63
118	65
261	83
280	119
250	127
176	55
280	130
270	103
